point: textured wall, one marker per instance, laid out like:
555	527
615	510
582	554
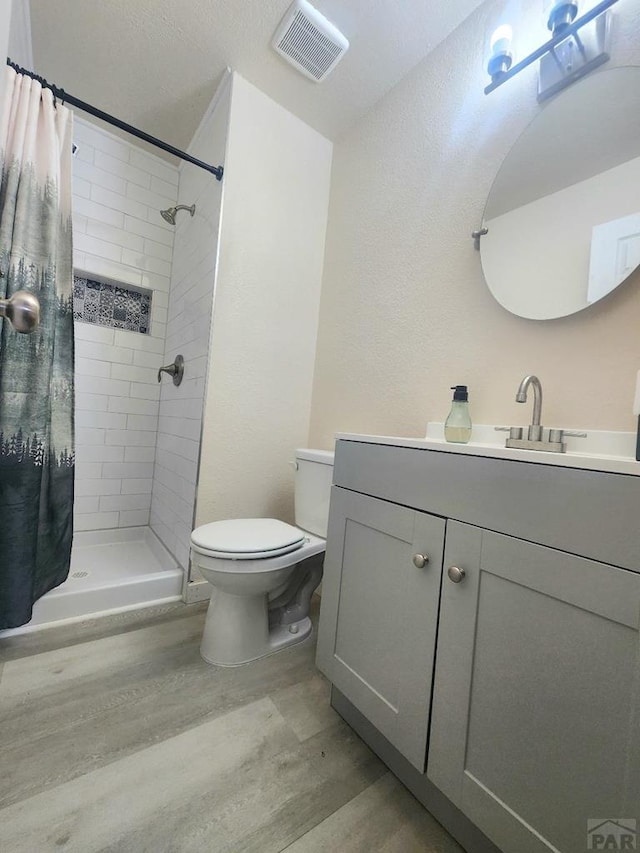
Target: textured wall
188	331
405	312
276	192
119	235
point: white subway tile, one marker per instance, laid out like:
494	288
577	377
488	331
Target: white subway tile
180	509
89	332
147	359
96	176
120	470
157	233
158	250
122	170
144	391
161	299
91	402
181	408
154	281
119	236
91	367
132	437
136	487
78	261
110	251
84	152
79	223
119	202
97	487
102	140
81	188
131	406
93	210
100	453
134	374
100	420
96	521
86	437
189	450
112	270
142	422
134	518
85	504
93	385
140	454
137	341
155	166
110	503
158	314
87	470
153	200
164	188
104	352
145	262
181	427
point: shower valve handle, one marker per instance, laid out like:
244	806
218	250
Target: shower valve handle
176	370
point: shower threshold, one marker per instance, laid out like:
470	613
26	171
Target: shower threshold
111	571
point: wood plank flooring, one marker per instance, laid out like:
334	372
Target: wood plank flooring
116	736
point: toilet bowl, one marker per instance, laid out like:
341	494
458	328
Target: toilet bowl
264	571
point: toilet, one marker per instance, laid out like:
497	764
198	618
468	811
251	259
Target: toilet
264	571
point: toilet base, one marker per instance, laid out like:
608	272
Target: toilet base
237	630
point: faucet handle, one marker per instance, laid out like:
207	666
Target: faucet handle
514	432
558	435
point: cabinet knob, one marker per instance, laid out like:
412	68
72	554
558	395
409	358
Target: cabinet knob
455	574
420	560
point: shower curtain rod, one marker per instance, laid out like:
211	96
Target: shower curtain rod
116	122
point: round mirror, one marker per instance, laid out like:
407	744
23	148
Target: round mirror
563	215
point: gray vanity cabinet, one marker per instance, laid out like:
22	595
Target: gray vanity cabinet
536	686
378	620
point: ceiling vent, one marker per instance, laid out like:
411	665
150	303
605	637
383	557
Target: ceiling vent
309	42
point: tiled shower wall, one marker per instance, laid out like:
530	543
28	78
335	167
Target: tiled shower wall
188	332
119	235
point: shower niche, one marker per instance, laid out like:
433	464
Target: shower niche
111	304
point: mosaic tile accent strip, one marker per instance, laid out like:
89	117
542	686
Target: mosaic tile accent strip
118	306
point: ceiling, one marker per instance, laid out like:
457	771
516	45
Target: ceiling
156	63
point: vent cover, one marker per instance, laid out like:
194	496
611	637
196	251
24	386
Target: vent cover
309	42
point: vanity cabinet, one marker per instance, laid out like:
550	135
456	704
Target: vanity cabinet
535	694
378	620
535	726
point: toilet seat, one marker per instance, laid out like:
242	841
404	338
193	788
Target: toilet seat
246	539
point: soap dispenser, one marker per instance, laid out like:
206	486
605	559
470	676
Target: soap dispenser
457	427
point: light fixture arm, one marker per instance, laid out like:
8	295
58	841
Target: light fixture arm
567	31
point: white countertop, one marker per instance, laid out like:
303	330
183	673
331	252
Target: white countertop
609	451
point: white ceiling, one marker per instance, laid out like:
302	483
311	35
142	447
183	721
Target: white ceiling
156	63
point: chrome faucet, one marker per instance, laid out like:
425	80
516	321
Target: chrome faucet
535	429
553	442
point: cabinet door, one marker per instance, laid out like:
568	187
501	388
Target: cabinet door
379	614
536	717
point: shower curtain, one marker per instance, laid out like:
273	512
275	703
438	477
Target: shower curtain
36	370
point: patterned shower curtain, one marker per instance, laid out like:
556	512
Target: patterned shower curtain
36	370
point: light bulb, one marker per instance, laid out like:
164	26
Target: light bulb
501	39
501	57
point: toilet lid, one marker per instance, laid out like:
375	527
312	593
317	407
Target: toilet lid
247	538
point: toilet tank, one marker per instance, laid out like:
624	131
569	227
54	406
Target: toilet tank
314	473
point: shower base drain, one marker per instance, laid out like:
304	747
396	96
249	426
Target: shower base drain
80	574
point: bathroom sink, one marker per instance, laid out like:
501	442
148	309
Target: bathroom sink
600	450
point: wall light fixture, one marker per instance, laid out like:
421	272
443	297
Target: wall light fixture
576	47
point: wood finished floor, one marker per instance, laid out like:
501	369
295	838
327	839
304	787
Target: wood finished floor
116	736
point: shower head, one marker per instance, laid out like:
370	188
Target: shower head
169	215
